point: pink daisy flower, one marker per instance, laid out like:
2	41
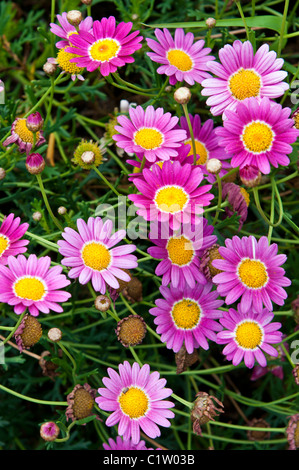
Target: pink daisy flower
180	254
149	133
258	133
66	29
171	194
120	444
251	270
31	283
181	57
107	48
243	74
136	398
92	254
22	137
206	145
248	336
11	231
187	316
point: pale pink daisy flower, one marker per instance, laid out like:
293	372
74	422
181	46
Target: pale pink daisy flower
243	74
251	270
187	316
23	137
180	253
249	336
107	48
136	398
11	232
92	255
149	133
121	444
31	283
66	29
182	59
171	194
258	133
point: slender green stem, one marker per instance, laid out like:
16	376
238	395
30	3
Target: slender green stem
33	400
219	200
14	328
283	25
185	108
243	18
45	198
66	352
105	180
50	101
66	438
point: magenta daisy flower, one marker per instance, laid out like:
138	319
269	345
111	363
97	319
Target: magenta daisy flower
149	133
243	74
92	254
31	283
181	57
120	444
23	137
258	133
187	316
107	48
251	270
248	336
66	29
136	398
206	145
11	231
180	253
171	194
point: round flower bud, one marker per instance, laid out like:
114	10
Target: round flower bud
28	333
49	68
37	216
80	402
210	22
182	95
86	2
214	166
61	210
35	163
131	330
250	176
49	431
102	303
34	122
55	335
83	152
2	173
74	17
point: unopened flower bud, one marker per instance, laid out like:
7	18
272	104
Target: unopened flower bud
88	158
168	88
250	176
214	166
74	17
86	2
37	216
2	173
34	122
35	163
55	335
49	68
102	303
210	22
61	210
49	431
182	95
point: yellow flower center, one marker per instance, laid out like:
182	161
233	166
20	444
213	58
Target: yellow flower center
180	59
200	150
186	314
133	402
296	120
171	199
148	138
253	273
180	251
63	60
257	137
244	84
249	335
29	288
4	244
96	256
245	195
104	50
23	132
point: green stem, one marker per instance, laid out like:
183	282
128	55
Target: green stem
42	189
66	352
283	25
219	200
105	180
33	400
260	210
185	108
14	328
243	18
